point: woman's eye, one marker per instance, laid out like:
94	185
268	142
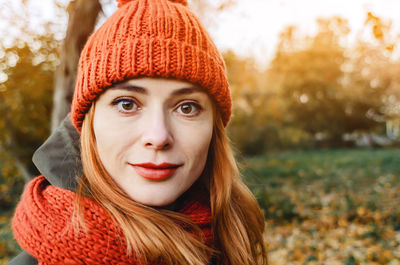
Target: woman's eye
189	109
126	105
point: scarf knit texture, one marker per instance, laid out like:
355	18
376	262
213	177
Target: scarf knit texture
42	227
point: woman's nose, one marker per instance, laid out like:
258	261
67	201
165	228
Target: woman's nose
156	132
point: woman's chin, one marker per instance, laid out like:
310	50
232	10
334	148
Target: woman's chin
156	200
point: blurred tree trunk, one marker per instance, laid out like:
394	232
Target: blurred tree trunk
81	23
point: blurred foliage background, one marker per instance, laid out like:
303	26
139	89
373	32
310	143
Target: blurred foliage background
316	131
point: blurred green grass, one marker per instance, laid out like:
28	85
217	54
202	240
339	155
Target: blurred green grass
8	246
303	181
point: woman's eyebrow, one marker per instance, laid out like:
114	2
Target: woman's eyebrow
133	88
186	90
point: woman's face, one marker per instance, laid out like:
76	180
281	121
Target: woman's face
153	136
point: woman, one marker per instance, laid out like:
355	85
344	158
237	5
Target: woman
159	182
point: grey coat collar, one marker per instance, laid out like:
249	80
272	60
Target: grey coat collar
58	158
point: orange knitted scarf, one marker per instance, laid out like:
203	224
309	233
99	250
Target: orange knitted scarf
41	226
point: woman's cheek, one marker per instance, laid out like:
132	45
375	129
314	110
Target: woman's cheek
197	139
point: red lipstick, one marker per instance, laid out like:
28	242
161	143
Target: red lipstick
155	172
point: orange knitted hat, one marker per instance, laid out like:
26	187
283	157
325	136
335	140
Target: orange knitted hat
153	38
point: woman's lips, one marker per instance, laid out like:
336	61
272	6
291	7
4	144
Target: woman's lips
155	172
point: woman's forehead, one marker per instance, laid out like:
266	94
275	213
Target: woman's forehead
149	86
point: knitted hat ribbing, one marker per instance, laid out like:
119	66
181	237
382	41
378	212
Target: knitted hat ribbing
153	38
